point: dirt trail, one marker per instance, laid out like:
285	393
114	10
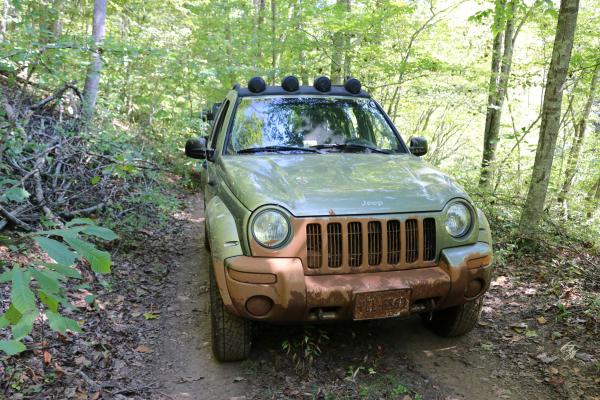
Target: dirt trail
183	362
400	353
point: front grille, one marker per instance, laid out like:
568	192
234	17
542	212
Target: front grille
345	245
355	244
394	240
429	239
334	245
412	240
374	240
314	252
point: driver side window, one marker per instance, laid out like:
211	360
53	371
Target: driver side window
218	125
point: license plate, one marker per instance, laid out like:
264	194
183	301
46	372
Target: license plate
385	304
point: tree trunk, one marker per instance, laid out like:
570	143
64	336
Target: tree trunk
339	49
551	113
56	16
273	41
578	140
347	50
5	8
500	72
92	80
594	198
259	6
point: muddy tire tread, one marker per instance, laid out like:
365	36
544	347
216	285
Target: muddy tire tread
458	320
206	241
231	335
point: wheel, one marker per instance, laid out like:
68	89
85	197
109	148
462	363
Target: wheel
206	241
457	320
231	335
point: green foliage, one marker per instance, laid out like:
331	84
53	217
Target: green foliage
306	348
64	246
378	386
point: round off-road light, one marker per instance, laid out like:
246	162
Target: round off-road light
353	85
257	84
458	219
322	84
290	84
271	228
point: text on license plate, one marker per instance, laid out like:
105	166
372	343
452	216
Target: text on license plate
384	304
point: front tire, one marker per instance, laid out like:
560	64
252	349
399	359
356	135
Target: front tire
206	241
457	320
231	335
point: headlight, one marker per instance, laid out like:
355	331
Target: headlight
270	228
458	219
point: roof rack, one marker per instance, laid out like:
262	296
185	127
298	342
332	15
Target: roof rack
290	86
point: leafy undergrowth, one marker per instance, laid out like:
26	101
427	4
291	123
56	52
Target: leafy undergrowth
111	311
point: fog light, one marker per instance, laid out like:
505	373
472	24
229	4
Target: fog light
259	305
474	288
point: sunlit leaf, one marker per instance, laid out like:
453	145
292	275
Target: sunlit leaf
57	251
98	259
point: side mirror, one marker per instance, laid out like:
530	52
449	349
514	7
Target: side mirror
196	148
418	145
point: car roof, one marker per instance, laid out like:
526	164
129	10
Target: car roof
336	90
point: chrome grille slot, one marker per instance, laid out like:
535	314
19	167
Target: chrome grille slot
334	245
412	241
355	249
374	242
429	239
393	242
313	245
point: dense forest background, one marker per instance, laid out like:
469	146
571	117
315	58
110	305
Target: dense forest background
98	97
466	75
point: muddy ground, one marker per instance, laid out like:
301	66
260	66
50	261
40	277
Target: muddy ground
149	338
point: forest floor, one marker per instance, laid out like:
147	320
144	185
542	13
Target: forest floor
150	338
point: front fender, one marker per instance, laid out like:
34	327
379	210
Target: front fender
485	233
224	242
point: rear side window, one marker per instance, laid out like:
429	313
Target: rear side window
218	124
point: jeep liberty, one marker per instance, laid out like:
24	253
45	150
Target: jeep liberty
317	210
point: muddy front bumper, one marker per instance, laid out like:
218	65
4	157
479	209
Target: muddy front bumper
276	289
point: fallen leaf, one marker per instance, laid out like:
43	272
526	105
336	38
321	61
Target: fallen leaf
584	357
238	379
149	315
190	379
556	381
143	349
47	357
541	320
545	358
531	333
519	327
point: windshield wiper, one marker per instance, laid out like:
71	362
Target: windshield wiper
350	146
277	148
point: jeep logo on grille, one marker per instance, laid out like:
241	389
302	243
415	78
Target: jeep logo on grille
372	203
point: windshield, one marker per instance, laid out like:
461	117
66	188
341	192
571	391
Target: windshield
310	124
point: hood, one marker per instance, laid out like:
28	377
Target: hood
339	183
